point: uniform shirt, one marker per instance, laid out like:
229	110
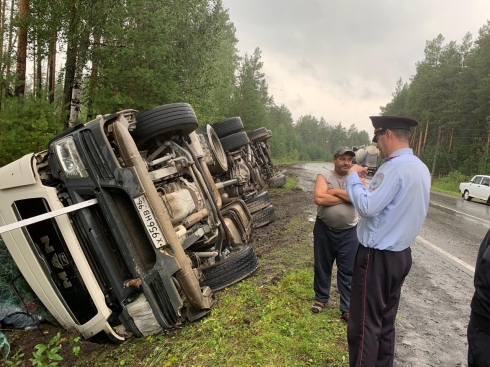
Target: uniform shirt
340	216
394	205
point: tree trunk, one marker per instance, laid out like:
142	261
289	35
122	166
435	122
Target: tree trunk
93	78
451	140
34	65
2	27
71	63
426	133
9	46
413	137
51	72
39	72
22	48
420	142
2	69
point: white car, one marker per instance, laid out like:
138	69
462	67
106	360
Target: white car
478	187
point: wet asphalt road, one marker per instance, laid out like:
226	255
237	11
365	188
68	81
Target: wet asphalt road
435	305
452	224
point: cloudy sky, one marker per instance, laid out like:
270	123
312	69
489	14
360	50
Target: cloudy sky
340	59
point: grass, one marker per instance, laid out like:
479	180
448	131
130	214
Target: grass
289	185
444	191
449	184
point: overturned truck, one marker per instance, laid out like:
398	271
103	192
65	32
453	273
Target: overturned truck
119	227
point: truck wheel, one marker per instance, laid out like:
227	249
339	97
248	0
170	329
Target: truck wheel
228	126
258	202
175	117
219	164
259	134
276	181
466	195
235	141
234	268
263	217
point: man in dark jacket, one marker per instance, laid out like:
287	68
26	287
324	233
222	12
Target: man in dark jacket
479	325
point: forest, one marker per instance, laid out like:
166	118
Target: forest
64	62
450	96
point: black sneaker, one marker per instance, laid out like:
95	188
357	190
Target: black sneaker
345	316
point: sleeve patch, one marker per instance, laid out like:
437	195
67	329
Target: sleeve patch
376	182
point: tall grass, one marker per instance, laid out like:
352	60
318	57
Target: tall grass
449	184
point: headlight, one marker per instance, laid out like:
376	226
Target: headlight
70	159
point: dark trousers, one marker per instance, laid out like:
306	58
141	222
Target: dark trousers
478	347
376	284
330	245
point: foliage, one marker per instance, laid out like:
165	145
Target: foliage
450	182
250	98
16	359
47	355
26	125
450	92
75	347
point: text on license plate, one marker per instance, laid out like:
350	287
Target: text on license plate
149	221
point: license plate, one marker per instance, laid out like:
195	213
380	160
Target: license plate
149	221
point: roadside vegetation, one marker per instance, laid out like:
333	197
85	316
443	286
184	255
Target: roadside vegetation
449	184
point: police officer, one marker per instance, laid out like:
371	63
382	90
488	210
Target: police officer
392	210
479	325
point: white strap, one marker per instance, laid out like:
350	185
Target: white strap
55	213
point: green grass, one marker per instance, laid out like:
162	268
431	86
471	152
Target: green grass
449	192
264	326
290	184
449	184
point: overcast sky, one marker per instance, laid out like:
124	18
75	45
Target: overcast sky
340	59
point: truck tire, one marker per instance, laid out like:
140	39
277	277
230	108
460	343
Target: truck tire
228	126
259	134
258	202
234	268
263	217
276	181
175	117
235	141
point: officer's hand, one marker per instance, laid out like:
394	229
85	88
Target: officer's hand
361	171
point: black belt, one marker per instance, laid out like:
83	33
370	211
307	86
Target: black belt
480	322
